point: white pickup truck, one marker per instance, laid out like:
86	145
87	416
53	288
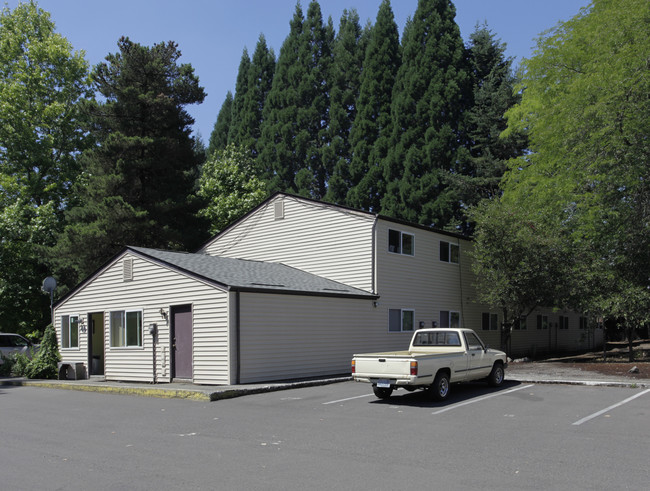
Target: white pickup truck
435	359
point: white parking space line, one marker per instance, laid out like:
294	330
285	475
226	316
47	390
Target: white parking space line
348	399
595	415
454	406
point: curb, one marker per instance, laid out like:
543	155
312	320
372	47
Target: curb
589	383
227	392
230	392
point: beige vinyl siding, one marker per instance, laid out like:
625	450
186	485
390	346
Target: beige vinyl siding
313	237
534	342
291	336
153	287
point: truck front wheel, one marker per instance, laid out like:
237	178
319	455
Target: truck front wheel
382	392
495	379
440	387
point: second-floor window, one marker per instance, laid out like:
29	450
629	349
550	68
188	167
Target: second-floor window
449	253
401	242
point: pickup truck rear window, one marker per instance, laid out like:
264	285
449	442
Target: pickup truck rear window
436	339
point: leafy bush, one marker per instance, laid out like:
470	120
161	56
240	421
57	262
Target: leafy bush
20	363
6	366
44	364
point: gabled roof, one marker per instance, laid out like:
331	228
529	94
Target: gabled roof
375	216
246	275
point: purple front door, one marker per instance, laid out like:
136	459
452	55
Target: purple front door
182	341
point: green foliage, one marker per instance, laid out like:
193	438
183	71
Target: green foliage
219	135
428	100
236	129
369	133
347	62
42	86
584	109
20	365
44	364
294	130
254	81
138	180
229	187
519	260
485	156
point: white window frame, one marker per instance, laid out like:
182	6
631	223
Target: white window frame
542	322
67	331
123	337
521	325
451	254
400	246
446	317
401	320
564	323
492	321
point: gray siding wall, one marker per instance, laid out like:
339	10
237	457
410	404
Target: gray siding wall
429	286
313	237
291	336
153	287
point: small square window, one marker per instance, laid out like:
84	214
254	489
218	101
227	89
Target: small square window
489	322
449	253
126	328
401	242
400	320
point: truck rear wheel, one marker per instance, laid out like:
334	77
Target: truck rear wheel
382	392
439	390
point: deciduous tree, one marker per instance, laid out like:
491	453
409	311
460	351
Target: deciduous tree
229	187
43	83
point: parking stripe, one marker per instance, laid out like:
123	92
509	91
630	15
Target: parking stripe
454	406
595	415
348	399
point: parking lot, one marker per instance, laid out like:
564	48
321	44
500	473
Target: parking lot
521	436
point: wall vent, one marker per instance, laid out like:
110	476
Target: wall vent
127	269
279	210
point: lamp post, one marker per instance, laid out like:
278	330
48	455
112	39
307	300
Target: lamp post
49	285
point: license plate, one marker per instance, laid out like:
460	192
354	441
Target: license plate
383	384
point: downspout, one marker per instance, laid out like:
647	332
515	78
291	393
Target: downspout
373	277
237	337
460	285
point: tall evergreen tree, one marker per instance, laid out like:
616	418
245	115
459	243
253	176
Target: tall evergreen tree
484	160
294	131
219	135
369	133
348	53
277	163
236	129
428	98
260	78
138	179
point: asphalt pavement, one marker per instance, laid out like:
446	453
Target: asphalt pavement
531	372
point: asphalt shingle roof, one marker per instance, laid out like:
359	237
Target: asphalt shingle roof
247	275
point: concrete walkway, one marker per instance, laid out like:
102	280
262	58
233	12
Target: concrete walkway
538	373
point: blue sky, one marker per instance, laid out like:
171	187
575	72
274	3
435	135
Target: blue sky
212	34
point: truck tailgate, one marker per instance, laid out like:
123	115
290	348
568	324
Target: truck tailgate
384	365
